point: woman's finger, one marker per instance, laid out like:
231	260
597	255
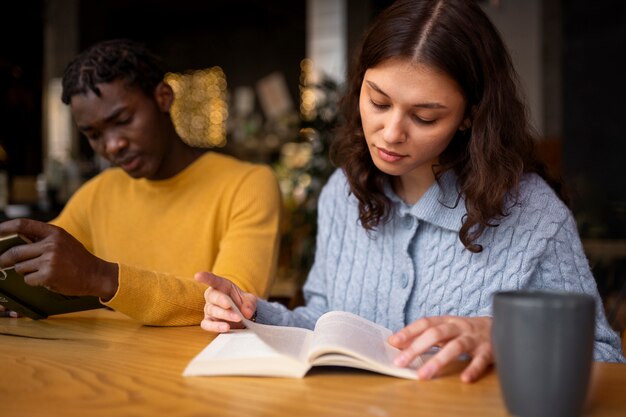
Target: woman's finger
217	312
481	361
431	337
405	336
214	281
215	326
218	298
450	352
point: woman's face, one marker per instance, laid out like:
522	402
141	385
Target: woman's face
409	114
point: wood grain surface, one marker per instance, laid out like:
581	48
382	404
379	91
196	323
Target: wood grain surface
100	363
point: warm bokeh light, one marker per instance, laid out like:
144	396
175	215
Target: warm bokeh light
200	110
307	91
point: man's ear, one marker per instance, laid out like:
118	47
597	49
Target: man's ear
164	96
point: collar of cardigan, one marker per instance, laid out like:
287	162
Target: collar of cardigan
441	205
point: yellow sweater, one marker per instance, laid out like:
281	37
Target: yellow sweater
219	214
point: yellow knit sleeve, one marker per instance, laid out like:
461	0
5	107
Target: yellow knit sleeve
158	299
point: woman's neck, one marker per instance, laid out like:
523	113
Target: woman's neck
411	187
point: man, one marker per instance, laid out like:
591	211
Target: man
135	234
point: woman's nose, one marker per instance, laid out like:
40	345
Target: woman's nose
394	130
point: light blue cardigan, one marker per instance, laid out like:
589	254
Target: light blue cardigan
415	265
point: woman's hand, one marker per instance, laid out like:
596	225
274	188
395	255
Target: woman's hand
455	336
218	315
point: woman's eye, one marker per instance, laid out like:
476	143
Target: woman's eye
378	105
419	120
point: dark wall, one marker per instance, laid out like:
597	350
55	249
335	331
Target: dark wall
21	52
248	39
594	130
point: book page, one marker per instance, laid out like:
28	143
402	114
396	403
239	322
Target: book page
345	339
242	352
290	341
339	338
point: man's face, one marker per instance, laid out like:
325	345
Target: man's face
126	127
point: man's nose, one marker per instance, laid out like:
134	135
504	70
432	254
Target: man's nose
114	143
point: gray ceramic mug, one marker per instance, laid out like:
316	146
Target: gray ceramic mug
543	345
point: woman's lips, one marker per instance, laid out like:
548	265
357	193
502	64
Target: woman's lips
388	156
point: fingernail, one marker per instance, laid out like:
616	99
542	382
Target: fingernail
467	377
398	337
13	314
426	371
401	360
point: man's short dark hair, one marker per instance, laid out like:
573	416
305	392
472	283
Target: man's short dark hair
111	60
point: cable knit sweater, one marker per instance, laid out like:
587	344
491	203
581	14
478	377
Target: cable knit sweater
414	265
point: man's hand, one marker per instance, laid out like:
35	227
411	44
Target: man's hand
8	313
57	261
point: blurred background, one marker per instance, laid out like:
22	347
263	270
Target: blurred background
260	79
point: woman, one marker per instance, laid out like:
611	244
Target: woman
439	200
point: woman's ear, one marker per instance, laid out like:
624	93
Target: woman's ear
465	124
164	96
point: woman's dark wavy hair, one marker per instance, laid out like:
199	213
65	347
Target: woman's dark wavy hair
111	60
456	37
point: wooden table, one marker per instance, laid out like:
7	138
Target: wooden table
100	363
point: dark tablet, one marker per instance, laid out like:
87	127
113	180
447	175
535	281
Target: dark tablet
35	302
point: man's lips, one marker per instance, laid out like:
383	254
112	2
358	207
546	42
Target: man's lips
128	163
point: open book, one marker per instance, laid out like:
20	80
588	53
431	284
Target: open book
339	339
